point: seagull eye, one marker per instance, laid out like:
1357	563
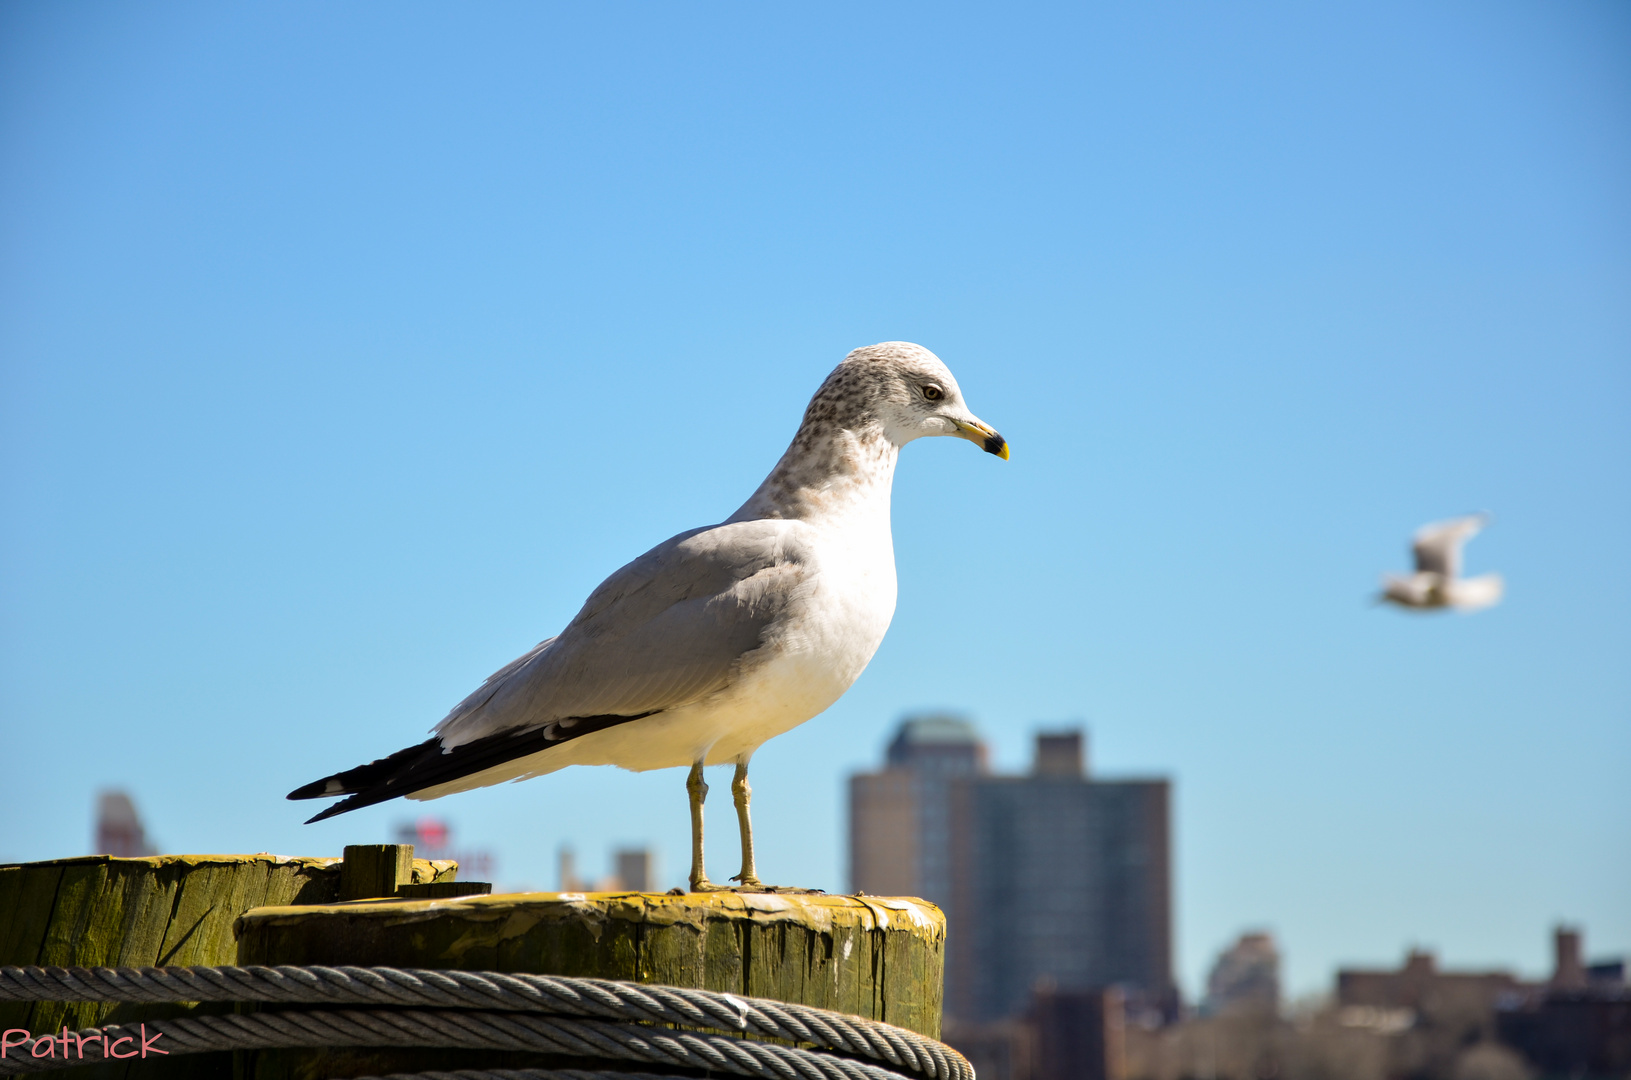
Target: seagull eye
933	392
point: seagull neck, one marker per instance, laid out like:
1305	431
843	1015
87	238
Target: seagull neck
826	475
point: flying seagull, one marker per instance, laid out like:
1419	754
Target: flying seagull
720	638
1437	582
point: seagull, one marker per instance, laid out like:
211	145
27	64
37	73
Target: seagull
1437	582
717	639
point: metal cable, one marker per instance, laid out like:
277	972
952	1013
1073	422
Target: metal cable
583	1017
519	1074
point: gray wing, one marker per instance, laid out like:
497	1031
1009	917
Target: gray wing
1437	547
666	630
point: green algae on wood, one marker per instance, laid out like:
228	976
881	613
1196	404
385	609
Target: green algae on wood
868	956
374	870
163	910
880	958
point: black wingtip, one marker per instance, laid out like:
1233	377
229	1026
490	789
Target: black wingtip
355	802
428	765
337	808
363	777
314	790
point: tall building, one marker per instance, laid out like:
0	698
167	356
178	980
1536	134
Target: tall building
900	818
1050	880
1059	881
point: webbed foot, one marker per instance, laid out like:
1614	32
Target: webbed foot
754	885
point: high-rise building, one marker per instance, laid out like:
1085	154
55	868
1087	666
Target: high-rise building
900	818
1062	881
1049	880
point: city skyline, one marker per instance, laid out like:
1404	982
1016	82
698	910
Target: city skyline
344	350
547	877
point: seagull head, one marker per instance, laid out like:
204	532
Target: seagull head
910	393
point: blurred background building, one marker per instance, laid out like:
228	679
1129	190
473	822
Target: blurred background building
1578	1023
1059	880
1076	1034
118	827
1246	977
1057	888
900	818
432	838
633	870
1416	1021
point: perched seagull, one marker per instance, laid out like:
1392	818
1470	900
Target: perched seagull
714	641
1437	582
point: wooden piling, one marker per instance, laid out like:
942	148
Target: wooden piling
868	956
165	910
875	957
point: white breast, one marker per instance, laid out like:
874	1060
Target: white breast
821	649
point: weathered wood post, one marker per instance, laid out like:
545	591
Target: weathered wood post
165	910
875	957
880	958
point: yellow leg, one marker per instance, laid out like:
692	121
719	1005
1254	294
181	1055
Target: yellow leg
741	794
697	789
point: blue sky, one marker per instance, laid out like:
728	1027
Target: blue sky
345	349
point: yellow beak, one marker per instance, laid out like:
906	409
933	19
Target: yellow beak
976	431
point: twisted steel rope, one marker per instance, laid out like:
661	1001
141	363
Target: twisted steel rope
587	1018
518	1074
